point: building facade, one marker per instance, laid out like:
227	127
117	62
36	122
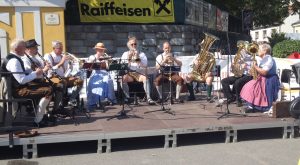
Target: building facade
42	20
288	27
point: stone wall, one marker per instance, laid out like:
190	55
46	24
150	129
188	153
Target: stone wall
184	39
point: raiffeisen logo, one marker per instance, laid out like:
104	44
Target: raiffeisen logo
132	11
109	8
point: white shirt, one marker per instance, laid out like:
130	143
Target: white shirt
134	65
247	59
161	57
54	59
266	62
13	65
27	63
159	61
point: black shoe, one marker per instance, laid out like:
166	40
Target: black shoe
41	124
159	101
179	101
209	99
190	98
249	110
51	118
128	100
239	104
230	100
150	102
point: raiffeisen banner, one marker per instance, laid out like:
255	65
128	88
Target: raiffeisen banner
134	11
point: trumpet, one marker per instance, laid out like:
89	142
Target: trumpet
105	57
169	57
134	56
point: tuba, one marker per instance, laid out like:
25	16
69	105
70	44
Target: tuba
72	60
236	67
252	48
206	59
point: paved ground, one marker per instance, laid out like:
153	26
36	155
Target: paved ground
257	152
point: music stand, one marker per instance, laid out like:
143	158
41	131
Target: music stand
227	113
169	70
122	69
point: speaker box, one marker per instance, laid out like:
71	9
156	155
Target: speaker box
281	109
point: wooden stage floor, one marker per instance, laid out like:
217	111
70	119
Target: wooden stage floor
185	118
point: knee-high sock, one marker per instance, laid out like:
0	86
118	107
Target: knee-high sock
147	88
208	90
125	89
159	91
190	89
41	109
178	89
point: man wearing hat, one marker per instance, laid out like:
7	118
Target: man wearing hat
100	86
23	85
61	63
33	60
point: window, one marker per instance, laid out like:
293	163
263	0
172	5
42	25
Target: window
256	35
274	31
264	34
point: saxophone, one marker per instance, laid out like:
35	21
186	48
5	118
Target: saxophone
206	59
236	67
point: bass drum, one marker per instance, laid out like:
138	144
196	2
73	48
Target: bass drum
295	108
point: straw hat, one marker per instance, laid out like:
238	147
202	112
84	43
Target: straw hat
99	45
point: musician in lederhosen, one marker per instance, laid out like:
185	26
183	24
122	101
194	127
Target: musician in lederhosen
33	60
136	59
23	85
190	79
100	85
167	59
60	64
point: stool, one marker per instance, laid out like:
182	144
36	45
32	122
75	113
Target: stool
137	90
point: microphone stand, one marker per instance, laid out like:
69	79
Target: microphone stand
162	107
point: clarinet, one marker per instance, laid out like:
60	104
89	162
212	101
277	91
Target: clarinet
44	75
53	71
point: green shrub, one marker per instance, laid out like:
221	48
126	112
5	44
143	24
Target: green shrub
285	48
276	38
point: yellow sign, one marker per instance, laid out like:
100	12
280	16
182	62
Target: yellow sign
135	11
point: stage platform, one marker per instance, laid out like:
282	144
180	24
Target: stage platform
144	121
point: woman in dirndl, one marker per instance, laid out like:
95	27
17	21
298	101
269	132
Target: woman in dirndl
100	86
259	94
